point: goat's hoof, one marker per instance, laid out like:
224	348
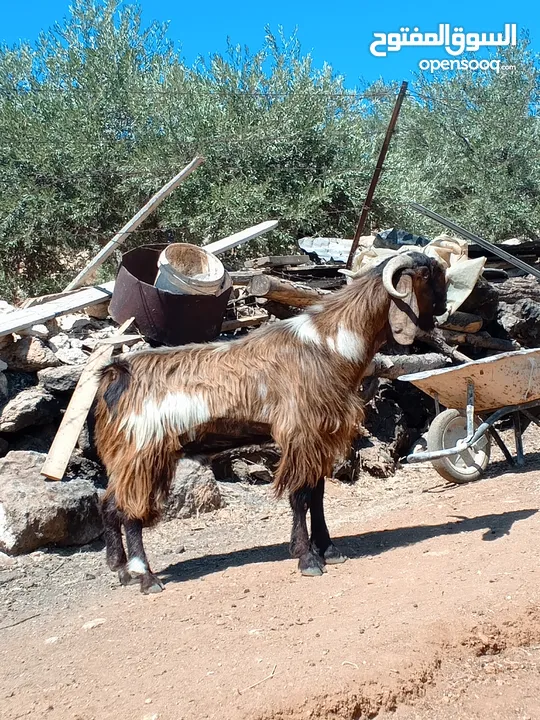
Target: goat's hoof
310	565
151	584
126	578
332	556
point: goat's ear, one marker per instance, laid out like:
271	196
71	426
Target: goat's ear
403	315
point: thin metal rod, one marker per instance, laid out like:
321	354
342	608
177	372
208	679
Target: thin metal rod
470	409
376	173
520	458
485	244
531	417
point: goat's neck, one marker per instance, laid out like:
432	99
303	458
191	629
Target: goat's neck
354	323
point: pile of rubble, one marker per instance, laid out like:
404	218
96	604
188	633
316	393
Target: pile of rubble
40	367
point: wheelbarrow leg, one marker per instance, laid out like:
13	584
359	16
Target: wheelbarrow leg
500	442
520	458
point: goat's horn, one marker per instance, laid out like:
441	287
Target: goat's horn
396	263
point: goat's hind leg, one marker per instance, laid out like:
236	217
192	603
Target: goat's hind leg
309	562
112	532
321	543
138	566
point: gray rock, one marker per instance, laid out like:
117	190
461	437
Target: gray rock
73	323
60	340
35	512
3	387
40	331
33	406
250	472
71	355
29	354
194	490
99	312
521	321
61	379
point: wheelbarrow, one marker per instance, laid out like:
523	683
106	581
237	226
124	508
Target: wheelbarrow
476	395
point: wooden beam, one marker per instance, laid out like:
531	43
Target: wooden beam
79	406
284	291
239	238
131	225
70	302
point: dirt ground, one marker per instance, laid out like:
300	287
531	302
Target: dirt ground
436	614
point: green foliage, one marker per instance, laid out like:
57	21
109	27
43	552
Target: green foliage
101	112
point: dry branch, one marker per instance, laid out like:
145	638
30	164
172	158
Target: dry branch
463	322
481	340
393	366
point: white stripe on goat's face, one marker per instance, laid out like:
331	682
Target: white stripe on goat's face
303	327
177	413
348	344
263	390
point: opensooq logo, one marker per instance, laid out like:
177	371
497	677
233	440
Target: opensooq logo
454	43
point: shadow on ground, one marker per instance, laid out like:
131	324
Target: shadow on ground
362	545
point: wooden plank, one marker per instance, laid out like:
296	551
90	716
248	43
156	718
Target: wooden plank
278	261
71	302
248	321
32	302
239	238
131	225
79	406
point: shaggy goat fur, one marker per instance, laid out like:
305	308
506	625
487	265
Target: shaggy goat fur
297	378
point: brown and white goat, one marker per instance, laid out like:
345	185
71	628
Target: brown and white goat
298	379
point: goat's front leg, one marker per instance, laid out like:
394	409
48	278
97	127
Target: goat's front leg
320	537
309	563
138	563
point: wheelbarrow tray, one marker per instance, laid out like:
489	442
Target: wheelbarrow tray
511	378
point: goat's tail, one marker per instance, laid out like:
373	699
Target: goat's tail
139	479
114	380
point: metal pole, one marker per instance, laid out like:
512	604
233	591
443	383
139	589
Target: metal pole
375	179
485	244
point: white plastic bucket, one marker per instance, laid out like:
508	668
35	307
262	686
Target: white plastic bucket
189	270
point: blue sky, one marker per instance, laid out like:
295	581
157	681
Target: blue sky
338	34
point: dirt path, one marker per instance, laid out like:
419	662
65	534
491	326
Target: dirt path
435	616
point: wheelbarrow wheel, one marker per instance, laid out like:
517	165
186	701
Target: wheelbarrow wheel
467	466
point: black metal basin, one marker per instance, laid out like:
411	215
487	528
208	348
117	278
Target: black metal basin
164	318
